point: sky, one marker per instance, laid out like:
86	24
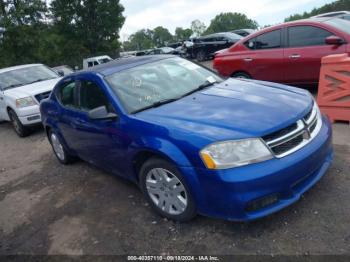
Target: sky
180	13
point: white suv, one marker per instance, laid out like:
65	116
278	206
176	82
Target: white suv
21	90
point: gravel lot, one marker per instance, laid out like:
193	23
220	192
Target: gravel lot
48	208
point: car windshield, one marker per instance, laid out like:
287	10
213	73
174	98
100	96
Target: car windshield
340	24
25	76
140	87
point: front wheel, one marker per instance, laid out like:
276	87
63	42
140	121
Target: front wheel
20	129
166	190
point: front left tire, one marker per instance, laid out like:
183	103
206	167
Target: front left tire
20	129
166	190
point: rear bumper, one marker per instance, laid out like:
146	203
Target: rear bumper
254	191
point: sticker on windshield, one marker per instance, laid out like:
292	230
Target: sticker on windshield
189	65
211	79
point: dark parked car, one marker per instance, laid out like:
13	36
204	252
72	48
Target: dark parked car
162	51
243	32
194	142
288	53
175	45
204	47
63	70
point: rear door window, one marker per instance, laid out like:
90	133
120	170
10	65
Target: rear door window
268	40
299	36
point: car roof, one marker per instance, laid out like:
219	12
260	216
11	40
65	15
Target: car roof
97	57
308	21
7	69
123	64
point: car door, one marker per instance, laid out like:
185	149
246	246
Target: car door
222	43
68	110
264	58
100	142
305	48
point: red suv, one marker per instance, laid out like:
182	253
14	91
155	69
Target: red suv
287	53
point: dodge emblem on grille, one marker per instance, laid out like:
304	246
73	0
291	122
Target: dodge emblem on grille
306	135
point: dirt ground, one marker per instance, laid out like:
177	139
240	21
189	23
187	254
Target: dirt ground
48	208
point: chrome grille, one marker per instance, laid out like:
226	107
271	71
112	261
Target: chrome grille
42	96
289	139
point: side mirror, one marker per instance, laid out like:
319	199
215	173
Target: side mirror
101	113
60	72
334	40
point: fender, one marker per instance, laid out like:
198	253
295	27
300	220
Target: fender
166	148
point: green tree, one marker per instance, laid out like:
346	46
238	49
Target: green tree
140	40
161	36
23	21
225	22
197	27
89	27
182	34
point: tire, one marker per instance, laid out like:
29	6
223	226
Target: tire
166	190
20	129
241	75
59	150
200	56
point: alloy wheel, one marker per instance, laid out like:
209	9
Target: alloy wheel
57	147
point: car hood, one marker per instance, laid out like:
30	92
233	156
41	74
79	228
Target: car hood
32	89
234	109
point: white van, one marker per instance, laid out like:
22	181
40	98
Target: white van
97	60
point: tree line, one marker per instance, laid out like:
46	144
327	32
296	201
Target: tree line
66	31
62	33
340	5
160	36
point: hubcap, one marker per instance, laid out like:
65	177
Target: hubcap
166	191
57	147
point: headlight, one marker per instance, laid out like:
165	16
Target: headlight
24	102
234	153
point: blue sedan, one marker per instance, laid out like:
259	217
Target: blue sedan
195	143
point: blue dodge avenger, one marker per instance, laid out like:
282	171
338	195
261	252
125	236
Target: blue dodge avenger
195	143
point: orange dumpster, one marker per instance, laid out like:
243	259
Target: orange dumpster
334	87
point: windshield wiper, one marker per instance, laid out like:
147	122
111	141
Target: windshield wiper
12	86
40	80
200	87
156	104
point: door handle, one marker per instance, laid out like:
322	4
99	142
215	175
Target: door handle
79	122
248	59
294	56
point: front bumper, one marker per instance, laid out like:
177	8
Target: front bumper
29	115
253	191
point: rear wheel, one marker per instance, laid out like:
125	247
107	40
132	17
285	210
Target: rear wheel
166	190
241	75
60	152
20	129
